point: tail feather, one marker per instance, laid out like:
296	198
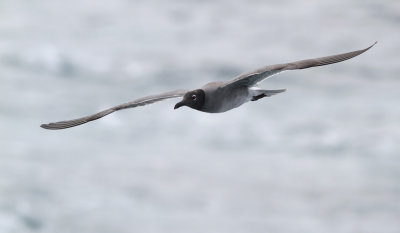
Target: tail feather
259	94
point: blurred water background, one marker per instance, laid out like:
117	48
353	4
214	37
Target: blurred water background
322	157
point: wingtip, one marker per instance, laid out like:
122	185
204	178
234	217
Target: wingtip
369	46
44	126
47	126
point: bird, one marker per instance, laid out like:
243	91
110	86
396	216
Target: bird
218	97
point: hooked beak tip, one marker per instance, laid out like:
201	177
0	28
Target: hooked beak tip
178	105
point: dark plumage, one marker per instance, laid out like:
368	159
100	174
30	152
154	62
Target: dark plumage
216	97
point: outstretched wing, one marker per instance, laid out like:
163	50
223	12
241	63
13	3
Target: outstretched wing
135	103
252	78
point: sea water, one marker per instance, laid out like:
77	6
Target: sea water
321	157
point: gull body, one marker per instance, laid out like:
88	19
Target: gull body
217	97
221	100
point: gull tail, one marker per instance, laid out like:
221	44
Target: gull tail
259	93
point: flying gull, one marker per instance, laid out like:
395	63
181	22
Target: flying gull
217	97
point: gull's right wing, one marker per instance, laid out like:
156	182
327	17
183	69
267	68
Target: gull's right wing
135	103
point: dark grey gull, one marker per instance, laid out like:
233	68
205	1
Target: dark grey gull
216	97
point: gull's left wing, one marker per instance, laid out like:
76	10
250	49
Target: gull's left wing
252	78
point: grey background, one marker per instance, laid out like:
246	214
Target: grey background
322	157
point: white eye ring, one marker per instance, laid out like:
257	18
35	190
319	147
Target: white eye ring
194	97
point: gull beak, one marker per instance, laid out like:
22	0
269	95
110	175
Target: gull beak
178	105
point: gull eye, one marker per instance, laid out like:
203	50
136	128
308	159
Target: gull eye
194	97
